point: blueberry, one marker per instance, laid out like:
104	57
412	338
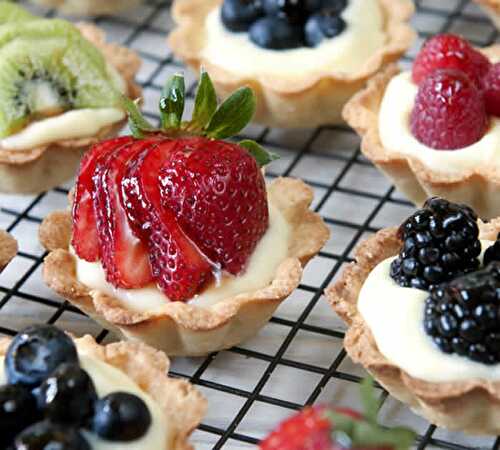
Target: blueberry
238	15
46	435
17	411
67	396
336	6
121	416
276	33
36	352
323	25
294	11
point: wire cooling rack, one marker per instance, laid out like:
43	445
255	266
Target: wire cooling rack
297	359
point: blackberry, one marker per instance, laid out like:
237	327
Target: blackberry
492	253
440	242
463	316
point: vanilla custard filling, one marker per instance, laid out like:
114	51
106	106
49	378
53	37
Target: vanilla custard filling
270	252
108	379
75	124
395	316
396	136
346	53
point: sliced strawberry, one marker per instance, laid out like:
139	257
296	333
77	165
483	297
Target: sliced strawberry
84	239
123	255
179	268
218	195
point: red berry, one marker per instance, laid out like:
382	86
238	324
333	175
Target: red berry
218	194
124	257
178	266
84	239
309	429
449	111
491	90
448	51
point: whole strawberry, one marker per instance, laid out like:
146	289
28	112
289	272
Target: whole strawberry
327	428
174	205
449	51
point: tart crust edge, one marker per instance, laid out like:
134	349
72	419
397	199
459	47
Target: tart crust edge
8	249
182	404
38	169
179	328
478	187
472	406
316	100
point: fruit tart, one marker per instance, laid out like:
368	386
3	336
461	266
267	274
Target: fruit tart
324	427
304	58
61	90
174	238
89	7
422	307
492	8
8	249
72	394
435	130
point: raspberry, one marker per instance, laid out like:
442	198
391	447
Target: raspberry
448	51
449	111
440	242
491	90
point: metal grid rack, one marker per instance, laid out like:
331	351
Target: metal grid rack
298	358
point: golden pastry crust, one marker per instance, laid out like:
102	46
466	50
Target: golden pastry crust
492	8
8	249
309	101
89	7
479	187
186	329
39	169
183	406
472	406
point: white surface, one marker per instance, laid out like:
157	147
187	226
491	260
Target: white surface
339	182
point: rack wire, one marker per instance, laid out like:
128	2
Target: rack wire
297	359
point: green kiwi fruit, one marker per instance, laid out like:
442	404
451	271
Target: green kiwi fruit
46	68
10	12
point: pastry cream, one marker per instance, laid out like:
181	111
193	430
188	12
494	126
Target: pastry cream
396	136
108	379
394	315
79	123
269	253
345	53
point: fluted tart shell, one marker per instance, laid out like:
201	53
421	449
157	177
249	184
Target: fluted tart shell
39	169
479	187
8	249
308	100
184	328
182	405
471	406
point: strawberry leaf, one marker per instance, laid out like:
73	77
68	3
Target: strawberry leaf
261	155
232	115
369	400
172	102
136	121
205	103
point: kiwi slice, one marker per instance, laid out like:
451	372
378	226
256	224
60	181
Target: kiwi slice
47	68
10	12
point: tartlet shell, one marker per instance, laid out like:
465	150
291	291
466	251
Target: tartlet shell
183	406
89	7
306	101
186	329
471	406
479	187
8	249
39	169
